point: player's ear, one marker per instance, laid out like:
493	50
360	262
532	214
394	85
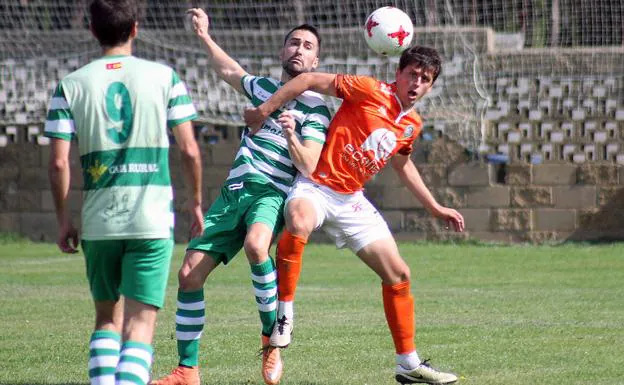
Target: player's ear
315	63
135	30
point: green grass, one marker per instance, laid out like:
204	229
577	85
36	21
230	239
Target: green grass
492	314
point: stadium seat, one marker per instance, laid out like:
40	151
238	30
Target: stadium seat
556	137
503	127
599	137
544	129
547	151
599	92
568	151
514	137
578	114
579	158
11	132
535	115
568	129
527	130
503	149
612	149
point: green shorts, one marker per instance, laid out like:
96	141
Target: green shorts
231	214
136	268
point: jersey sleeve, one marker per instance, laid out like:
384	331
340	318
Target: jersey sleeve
247	83
259	89
180	107
316	124
354	88
59	120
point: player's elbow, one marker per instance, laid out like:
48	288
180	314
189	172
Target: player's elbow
57	165
308	168
190	150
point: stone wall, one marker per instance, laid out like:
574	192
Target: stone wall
503	203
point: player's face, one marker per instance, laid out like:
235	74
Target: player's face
412	84
300	53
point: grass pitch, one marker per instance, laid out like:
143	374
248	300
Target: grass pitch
492	314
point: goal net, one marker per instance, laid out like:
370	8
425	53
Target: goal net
528	80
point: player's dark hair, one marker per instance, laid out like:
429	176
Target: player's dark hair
426	58
306	27
112	20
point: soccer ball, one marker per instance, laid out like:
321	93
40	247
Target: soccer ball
388	31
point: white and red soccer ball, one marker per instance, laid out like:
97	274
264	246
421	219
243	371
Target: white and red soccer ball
388	31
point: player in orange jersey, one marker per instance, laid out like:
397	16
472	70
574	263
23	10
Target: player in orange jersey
376	123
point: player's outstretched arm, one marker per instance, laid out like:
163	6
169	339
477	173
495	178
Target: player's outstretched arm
409	175
323	83
226	68
59	175
192	168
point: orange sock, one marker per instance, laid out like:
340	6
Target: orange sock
289	259
399	308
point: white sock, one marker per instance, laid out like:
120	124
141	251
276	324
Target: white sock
285	308
409	360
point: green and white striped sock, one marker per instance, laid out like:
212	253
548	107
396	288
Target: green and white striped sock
190	318
264	281
103	357
135	362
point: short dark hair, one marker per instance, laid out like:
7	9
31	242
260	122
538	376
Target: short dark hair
425	57
306	27
112	20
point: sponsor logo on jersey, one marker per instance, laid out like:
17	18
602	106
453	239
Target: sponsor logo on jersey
373	154
139	168
262	94
113	66
97	170
271	129
409	130
382	143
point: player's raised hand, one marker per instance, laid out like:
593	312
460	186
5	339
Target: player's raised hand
68	238
254	117
199	21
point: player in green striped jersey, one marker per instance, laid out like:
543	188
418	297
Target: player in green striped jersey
118	107
249	211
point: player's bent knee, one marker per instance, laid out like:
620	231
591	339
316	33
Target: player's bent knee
189	279
256	252
300	228
405	275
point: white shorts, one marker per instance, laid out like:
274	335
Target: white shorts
349	219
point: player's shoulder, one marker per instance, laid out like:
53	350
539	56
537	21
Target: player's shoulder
144	64
262	84
312	98
359	79
414	117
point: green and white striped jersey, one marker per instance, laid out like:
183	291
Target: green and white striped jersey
264	157
119	107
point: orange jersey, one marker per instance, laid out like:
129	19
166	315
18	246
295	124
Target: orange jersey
368	129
